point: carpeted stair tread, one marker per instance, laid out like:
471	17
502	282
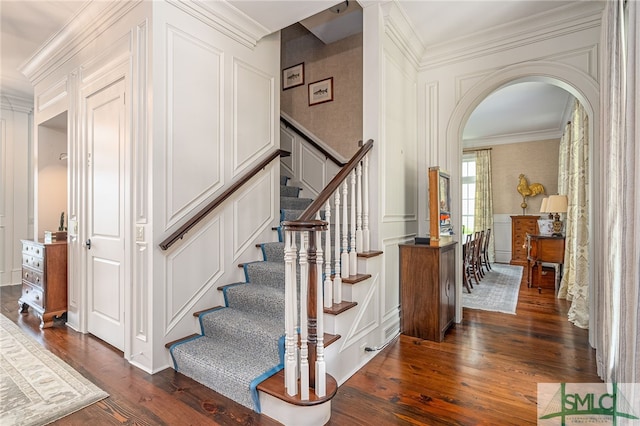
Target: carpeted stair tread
294	203
226	368
283	179
273	252
265	273
228	323
289	191
256	298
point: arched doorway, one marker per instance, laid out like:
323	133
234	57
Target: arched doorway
579	84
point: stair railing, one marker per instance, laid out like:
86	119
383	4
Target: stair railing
200	215
304	305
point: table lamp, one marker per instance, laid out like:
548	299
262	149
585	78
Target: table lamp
557	204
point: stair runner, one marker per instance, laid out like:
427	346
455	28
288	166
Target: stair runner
242	343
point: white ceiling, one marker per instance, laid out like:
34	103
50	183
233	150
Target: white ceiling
525	108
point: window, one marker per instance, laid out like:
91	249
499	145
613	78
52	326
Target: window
468	192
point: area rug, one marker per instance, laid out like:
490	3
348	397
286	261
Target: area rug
37	387
497	291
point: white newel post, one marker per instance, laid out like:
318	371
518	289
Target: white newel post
344	257
337	277
353	253
366	237
304	331
328	287
291	310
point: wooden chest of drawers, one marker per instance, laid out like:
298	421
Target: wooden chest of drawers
44	280
520	227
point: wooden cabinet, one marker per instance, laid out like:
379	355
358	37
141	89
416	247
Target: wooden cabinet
427	290
520	227
543	248
44	280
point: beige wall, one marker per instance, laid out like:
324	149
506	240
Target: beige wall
337	123
538	161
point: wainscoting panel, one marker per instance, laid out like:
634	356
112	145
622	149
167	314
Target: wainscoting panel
141	292
502	235
253	127
57	93
193	269
253	211
400	150
194	110
287	143
313	170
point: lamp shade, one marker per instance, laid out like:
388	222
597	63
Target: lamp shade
557	204
543	207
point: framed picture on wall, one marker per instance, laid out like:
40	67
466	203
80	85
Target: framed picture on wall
321	91
293	76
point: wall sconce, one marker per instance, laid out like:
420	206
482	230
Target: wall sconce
557	204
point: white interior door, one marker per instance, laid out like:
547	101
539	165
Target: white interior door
106	154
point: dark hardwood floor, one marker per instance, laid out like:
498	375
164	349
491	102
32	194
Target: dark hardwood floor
484	372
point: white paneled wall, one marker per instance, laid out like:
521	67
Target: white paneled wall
201	109
309	167
220	100
15	166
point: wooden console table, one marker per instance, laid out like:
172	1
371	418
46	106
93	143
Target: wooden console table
543	248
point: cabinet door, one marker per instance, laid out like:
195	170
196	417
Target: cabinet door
447	288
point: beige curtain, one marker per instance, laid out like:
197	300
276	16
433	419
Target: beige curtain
483	213
573	172
617	297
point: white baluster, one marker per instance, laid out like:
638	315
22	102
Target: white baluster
321	368
337	278
344	256
291	310
328	287
366	237
359	242
353	253
304	331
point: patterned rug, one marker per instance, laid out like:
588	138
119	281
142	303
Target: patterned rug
497	291
37	387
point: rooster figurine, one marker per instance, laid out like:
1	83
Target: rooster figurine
527	190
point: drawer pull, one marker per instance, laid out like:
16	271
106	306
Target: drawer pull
38	279
26	275
37	297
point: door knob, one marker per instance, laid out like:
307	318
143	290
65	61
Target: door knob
88	244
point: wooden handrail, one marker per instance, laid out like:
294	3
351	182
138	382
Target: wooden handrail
312	142
180	232
331	188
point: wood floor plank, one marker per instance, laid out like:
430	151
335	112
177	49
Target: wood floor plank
485	372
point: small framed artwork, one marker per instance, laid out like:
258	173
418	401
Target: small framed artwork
293	76
321	91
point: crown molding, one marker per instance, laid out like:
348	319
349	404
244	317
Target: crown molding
84	27
224	17
564	20
542	135
399	28
16	103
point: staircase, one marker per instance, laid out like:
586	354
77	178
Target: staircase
242	343
246	349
